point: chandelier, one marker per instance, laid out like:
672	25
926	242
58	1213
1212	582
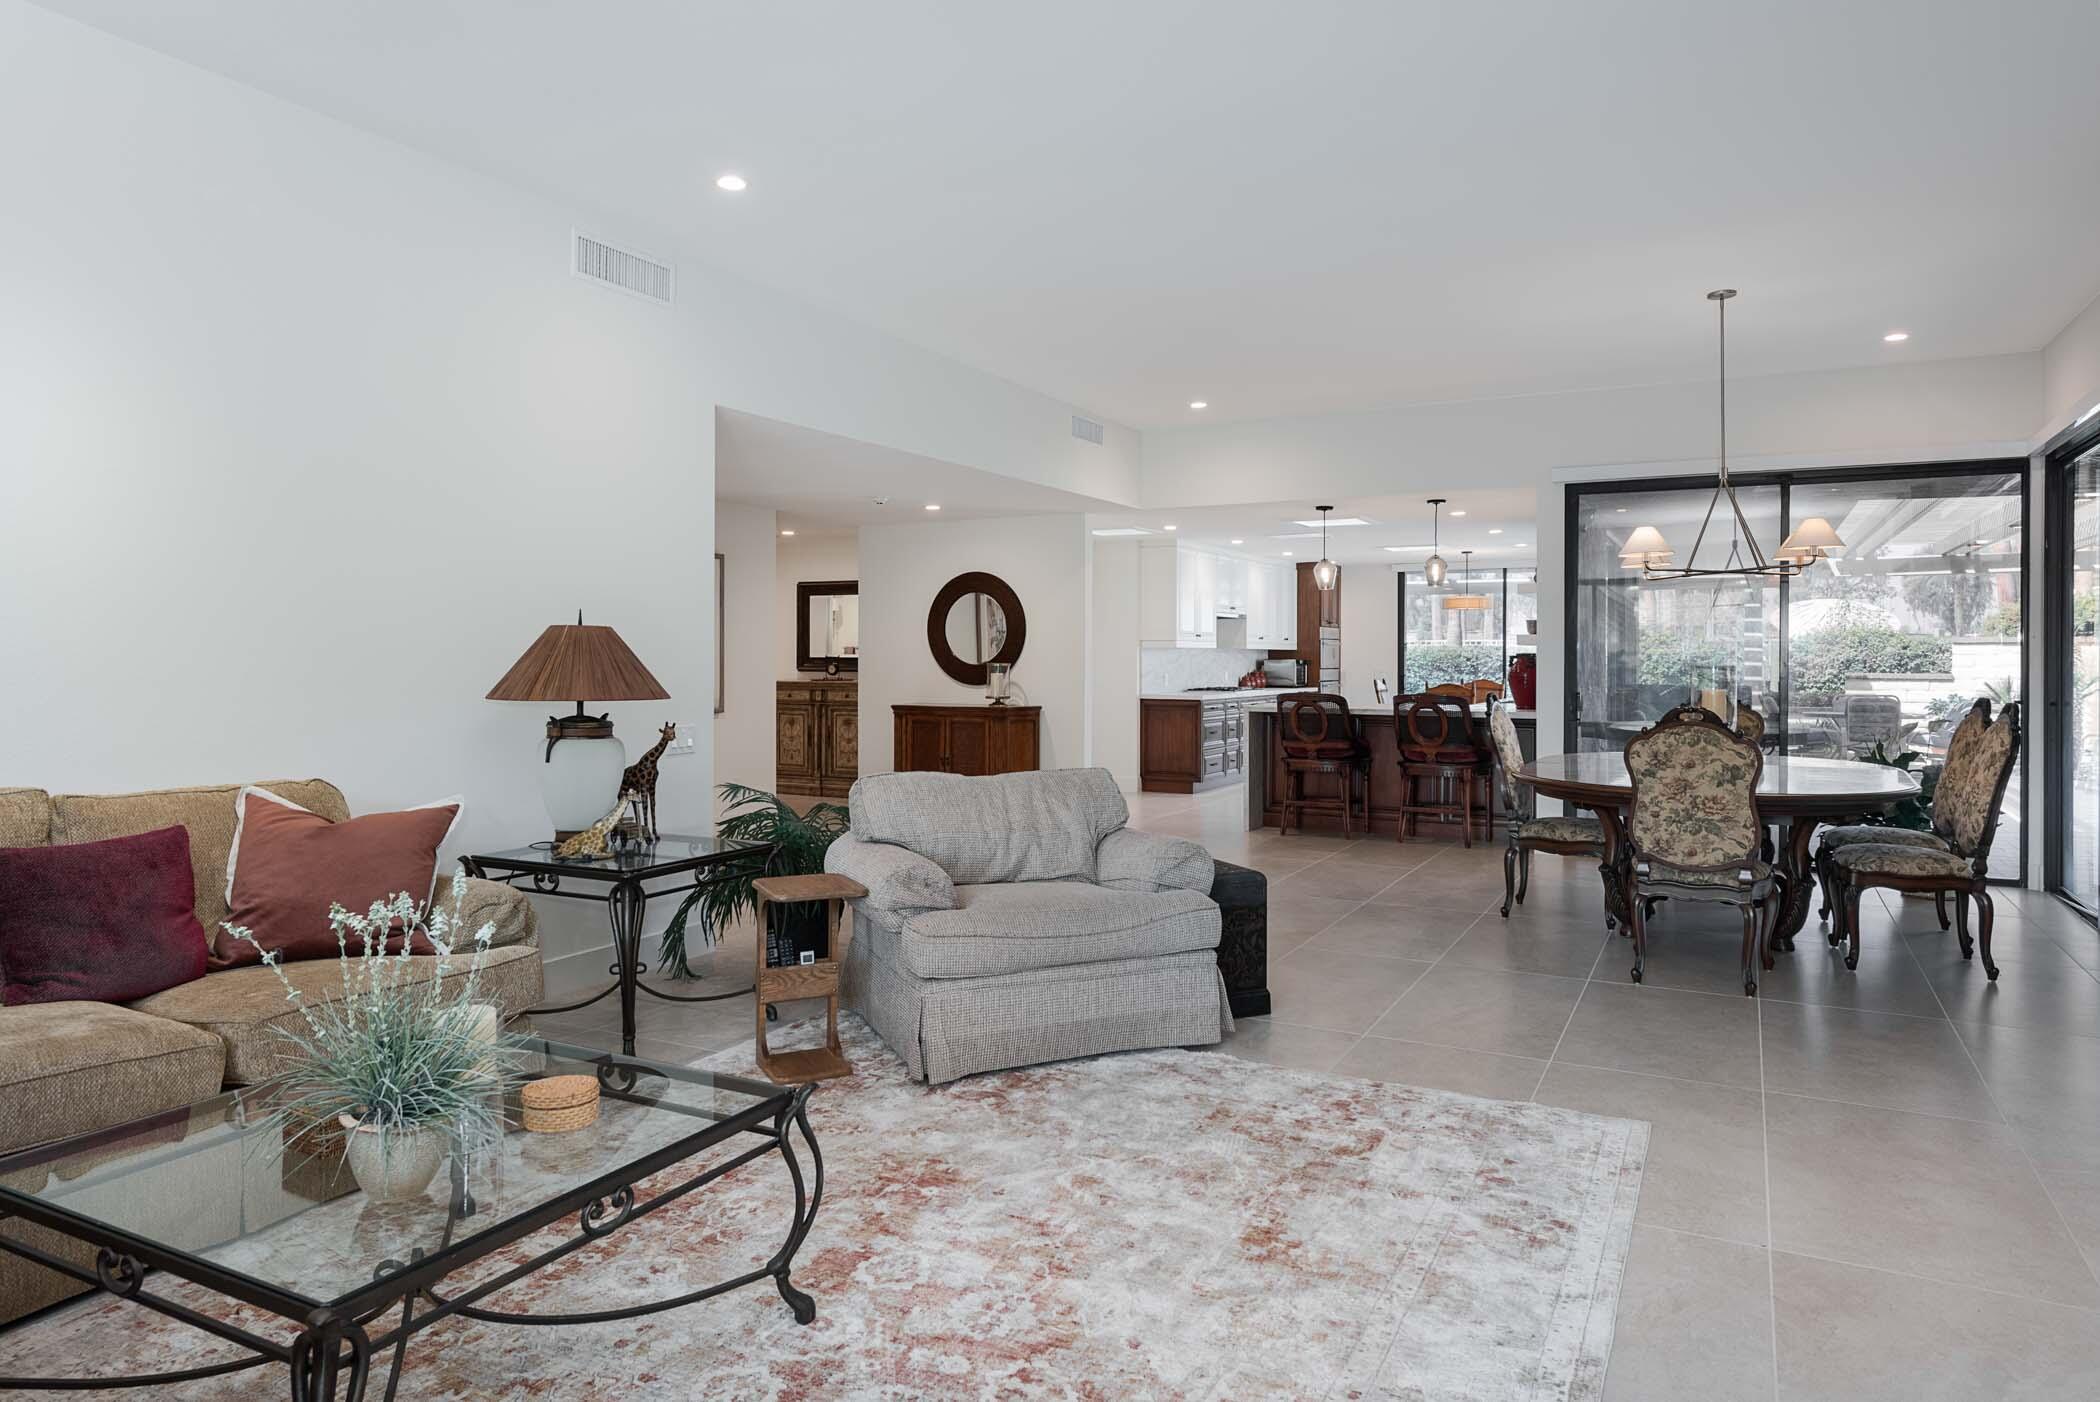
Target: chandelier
1326	574
1647	551
1433	567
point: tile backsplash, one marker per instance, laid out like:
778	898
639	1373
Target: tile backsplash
1179	668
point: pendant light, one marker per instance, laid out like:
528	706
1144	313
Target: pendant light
1466	603
1433	567
1326	573
1813	540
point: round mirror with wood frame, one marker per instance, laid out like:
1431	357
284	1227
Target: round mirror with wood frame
990	618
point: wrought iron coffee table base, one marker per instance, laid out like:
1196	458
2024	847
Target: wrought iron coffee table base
331	1356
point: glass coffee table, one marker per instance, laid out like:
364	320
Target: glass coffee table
211	1195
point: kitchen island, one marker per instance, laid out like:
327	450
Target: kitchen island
1194	741
1265	764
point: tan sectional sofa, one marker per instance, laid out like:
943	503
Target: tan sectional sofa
68	1068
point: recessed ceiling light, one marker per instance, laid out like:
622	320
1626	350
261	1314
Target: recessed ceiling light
933	506
734	184
1199	403
1494	530
1620	509
1121	530
1286	553
1397	548
1239	542
787	532
1167	528
1895	336
1337	521
1523	545
1458	513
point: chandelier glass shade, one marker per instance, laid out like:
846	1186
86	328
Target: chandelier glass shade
1647	551
1326	573
1433	568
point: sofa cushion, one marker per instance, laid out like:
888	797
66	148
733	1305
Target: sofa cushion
288	866
1012	926
25	818
1129	860
108	921
244	1007
1041	826
67	1068
899	880
206	813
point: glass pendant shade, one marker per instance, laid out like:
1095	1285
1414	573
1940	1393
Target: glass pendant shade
1433	570
1326	574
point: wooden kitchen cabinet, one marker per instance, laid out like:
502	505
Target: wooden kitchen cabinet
968	739
816	737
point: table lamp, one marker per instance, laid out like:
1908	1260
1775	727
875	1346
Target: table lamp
583	763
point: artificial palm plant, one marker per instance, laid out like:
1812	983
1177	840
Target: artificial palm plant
798	840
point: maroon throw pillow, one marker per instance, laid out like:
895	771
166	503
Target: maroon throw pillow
105	922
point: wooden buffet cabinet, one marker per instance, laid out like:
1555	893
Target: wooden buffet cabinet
969	739
816	737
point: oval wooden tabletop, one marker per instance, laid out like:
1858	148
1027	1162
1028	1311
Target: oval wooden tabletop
1787	782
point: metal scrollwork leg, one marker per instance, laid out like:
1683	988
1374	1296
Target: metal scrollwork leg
797	1114
627	903
120	1275
319	1364
603	1216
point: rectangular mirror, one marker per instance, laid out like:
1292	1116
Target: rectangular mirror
827	625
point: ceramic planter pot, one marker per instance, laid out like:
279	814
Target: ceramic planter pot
397	1165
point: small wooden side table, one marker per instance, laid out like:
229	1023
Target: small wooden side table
817	980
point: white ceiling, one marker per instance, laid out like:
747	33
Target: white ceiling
1500	527
1277	208
821	481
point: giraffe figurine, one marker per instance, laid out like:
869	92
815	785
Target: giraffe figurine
596	840
640	780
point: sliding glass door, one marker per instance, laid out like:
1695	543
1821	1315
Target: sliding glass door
1870	655
2074	673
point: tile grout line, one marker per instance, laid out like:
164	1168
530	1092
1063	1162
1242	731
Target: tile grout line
1554	1055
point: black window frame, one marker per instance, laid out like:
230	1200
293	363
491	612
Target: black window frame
1785	481
2060	792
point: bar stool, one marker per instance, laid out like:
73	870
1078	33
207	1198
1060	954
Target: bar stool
1435	735
1319	736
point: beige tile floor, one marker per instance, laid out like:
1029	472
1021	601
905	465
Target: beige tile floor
1882	1184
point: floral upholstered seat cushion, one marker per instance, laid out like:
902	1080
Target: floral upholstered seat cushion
1853	834
1664	874
1889	859
1587	830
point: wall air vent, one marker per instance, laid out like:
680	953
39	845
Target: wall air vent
1087	429
621	269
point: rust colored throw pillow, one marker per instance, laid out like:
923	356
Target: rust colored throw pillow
104	922
288	866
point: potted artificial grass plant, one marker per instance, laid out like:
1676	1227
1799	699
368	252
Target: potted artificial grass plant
798	840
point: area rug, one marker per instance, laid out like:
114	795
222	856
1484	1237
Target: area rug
1172	1224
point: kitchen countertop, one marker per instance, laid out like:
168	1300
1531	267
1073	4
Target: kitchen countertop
1246	693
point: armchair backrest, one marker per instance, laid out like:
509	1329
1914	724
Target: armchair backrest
1038	826
1694	792
1958	772
1980	795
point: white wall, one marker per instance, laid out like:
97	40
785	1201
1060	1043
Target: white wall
744	731
806	556
1044	558
1116	678
307	435
2071	371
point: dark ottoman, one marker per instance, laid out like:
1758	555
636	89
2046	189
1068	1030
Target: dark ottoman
1242	895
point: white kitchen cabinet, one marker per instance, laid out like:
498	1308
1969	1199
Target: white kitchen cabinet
1182	589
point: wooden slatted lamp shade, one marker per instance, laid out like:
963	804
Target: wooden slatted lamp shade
579	662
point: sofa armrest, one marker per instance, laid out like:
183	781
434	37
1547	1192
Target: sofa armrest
1129	860
482	902
899	880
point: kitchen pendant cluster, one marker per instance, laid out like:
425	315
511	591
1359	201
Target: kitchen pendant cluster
1326	573
1647	551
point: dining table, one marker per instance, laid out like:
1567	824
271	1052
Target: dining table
1795	793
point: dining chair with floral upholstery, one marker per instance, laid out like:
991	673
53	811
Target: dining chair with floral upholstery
1568	836
1694	828
1975	795
1955	772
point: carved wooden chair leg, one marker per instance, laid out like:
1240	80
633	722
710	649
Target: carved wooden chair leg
1640	938
1523	874
1961	924
1939	906
1985	916
1509	878
1753	918
1850	895
1823	880
1770	933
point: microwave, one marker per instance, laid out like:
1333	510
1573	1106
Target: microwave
1285	671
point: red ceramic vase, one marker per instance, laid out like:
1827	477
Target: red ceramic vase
1524	681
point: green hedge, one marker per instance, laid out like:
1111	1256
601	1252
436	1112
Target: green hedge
1822	660
1432	664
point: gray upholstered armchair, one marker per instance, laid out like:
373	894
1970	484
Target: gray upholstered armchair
1014	919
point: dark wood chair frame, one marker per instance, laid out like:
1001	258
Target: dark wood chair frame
1455	778
1520	806
1974	886
1324	712
1757	896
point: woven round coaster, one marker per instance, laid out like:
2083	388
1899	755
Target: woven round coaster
557	1104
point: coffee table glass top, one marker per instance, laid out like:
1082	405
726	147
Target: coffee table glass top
216	1182
670	852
